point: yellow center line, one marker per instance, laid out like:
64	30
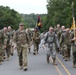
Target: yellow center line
63	66
56	67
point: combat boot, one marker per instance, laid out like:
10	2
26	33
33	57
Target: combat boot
7	58
54	63
48	60
66	58
74	66
0	62
21	67
34	53
29	50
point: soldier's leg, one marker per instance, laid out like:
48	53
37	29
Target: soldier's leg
66	55
47	56
29	47
62	52
69	50
53	53
8	52
0	56
65	52
73	61
35	49
12	50
24	55
4	52
19	52
20	60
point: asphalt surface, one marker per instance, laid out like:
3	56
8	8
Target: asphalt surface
37	65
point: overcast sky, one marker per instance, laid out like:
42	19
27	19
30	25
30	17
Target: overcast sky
26	6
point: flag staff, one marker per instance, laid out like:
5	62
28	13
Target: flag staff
73	17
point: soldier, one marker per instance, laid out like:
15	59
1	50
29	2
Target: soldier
36	40
73	44
52	41
66	44
11	34
57	31
60	33
22	39
1	49
6	42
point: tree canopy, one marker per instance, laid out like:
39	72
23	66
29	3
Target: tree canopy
59	12
9	17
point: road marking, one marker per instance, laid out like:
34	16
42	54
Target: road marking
56	67
63	66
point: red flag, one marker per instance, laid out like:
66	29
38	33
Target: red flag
39	24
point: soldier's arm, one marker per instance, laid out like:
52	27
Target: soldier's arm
15	37
56	41
61	39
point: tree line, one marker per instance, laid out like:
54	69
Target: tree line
59	12
10	17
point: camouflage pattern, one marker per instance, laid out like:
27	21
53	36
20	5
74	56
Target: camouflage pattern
52	41
58	32
36	41
1	48
66	45
73	44
21	39
11	33
7	43
28	32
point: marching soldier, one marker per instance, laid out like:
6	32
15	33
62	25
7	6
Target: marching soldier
6	42
36	40
66	44
52	41
22	39
11	34
73	44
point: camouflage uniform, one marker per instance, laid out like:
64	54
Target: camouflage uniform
66	45
52	41
36	41
21	39
61	45
7	43
58	33
1	49
11	33
73	44
29	43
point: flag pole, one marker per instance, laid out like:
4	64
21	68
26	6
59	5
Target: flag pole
73	18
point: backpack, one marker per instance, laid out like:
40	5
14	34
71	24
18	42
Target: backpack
50	37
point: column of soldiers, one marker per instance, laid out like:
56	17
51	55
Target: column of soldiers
59	40
67	40
6	34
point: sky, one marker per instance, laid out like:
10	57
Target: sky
26	6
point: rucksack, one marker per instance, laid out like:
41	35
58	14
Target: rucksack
49	37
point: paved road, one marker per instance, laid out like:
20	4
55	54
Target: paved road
37	65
